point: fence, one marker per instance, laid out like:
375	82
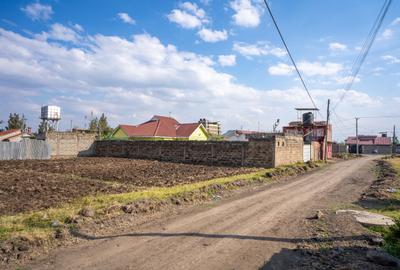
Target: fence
25	149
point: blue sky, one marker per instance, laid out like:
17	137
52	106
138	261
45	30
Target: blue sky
222	60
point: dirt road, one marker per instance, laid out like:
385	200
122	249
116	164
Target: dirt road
241	233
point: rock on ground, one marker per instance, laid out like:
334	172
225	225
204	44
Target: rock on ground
367	218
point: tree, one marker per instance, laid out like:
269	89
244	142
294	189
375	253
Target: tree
94	125
104	128
100	125
44	126
15	121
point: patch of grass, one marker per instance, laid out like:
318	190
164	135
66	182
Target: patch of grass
392	238
391	209
39	223
395	162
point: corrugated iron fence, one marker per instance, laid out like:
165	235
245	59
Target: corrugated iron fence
25	149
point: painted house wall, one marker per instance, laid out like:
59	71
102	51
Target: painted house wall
119	134
200	134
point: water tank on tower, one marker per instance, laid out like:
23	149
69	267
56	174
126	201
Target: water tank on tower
50	116
50	113
308	119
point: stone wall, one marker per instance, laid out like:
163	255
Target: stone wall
70	144
258	152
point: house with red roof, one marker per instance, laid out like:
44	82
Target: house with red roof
370	144
11	135
162	128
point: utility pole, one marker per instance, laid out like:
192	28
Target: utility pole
357	118
394	143
326	131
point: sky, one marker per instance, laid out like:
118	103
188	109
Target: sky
214	59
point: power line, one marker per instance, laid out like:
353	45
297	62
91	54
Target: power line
290	55
366	48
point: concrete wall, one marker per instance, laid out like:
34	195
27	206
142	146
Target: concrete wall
70	144
260	152
288	150
376	149
338	148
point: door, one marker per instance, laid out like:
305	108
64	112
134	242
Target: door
306	152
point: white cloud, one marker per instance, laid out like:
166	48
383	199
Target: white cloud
318	68
148	77
336	46
227	60
395	21
37	11
307	68
387	34
347	79
126	18
205	2
281	69
189	16
209	35
59	32
247	14
184	19
194	9
261	48
391	59
78	27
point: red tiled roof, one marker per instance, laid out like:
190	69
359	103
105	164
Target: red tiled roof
185	130
160	126
369	140
9	133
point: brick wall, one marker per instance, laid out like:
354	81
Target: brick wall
68	144
258	152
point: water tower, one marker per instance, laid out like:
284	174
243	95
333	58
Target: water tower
50	116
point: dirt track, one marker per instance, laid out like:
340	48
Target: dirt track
241	233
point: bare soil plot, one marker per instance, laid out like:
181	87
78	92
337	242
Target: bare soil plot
24	190
133	171
36	184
